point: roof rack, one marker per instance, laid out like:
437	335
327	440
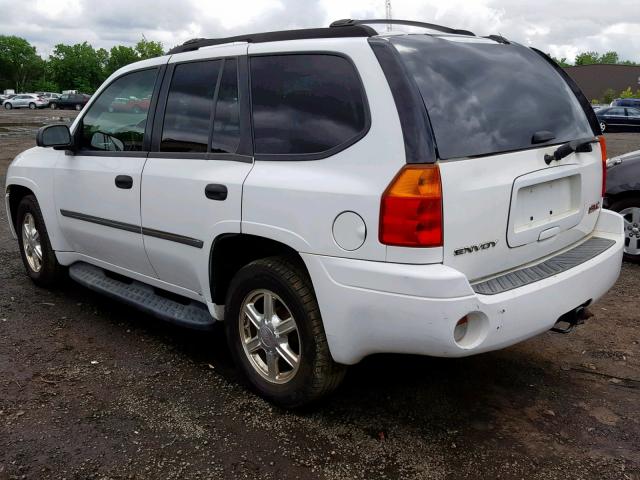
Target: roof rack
347	22
303	34
338	29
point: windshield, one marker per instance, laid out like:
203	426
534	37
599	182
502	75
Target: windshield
484	97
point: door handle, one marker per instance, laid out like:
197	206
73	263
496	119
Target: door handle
124	181
215	191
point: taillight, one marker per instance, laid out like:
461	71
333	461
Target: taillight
603	150
411	208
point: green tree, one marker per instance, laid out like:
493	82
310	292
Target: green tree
627	93
148	49
610	58
119	56
587	58
561	61
609	95
102	56
76	67
20	65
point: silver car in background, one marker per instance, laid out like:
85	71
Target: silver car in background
25	100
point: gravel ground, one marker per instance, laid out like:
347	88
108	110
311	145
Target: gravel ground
93	389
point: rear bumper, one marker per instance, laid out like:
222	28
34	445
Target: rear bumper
375	307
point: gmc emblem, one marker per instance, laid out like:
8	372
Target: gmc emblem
475	248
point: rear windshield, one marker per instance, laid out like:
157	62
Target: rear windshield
485	97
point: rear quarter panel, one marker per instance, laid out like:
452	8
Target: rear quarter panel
296	202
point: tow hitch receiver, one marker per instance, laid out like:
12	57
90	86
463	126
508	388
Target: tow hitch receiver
572	319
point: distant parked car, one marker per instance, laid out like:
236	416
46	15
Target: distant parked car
623	196
48	95
69	100
130	105
619	118
25	100
626	102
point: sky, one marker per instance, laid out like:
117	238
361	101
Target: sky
560	27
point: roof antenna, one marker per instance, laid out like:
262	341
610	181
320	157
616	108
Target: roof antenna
388	12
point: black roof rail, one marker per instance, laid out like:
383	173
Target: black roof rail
347	22
302	34
499	39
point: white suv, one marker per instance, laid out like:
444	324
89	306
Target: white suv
26	100
330	194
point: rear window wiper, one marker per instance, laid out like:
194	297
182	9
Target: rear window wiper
582	145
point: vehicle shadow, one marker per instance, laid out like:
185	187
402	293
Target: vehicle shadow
391	389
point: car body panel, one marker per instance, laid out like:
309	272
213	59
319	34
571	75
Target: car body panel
623	175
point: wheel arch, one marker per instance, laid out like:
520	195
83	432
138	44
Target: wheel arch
14	195
232	251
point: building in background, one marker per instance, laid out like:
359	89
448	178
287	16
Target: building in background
595	80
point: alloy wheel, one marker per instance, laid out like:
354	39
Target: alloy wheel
631	230
31	243
270	336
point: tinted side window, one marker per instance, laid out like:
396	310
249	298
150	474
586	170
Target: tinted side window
226	122
306	103
187	116
112	123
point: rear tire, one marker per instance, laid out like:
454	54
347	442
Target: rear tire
37	255
629	208
52	106
32	106
603	126
295	328
78	107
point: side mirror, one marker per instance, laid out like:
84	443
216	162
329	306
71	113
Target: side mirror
56	136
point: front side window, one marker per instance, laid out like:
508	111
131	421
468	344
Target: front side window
189	105
116	121
305	103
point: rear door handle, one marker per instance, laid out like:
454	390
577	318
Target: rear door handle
124	181
215	191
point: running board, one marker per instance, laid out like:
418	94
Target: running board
191	314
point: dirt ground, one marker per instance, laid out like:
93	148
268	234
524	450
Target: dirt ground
92	389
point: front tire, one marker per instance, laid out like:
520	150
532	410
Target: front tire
8	106
37	255
276	336
52	106
629	208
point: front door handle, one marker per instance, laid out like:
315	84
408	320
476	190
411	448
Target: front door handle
215	191
124	181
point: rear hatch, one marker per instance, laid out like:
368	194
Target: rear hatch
496	110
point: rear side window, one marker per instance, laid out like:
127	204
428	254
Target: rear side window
189	105
484	97
305	103
226	122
